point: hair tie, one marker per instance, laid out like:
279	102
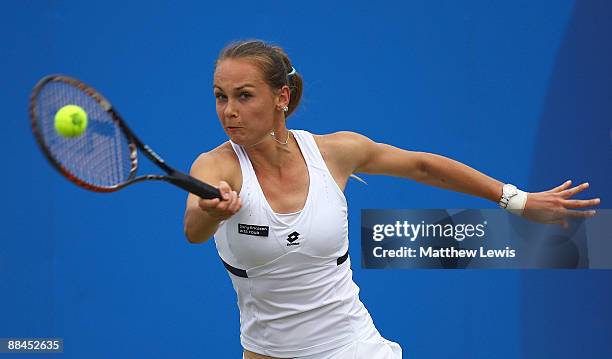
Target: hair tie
293	72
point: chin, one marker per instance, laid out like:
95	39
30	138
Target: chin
242	139
238	139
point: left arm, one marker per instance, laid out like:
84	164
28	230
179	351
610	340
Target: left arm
446	173
354	153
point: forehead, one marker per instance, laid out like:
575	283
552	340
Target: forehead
235	72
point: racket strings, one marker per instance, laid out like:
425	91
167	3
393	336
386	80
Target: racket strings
101	155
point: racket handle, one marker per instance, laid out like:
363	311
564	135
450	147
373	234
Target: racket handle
193	185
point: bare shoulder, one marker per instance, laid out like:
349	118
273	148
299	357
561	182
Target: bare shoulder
341	143
340	139
218	164
216	156
343	152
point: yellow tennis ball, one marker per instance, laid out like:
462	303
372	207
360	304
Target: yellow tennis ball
70	121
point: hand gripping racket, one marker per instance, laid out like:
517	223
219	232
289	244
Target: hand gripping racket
104	158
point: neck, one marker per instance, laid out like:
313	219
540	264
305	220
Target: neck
273	152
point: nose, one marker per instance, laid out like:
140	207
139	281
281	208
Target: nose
230	110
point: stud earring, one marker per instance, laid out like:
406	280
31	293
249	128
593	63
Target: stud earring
285	108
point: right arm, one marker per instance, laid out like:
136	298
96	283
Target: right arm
203	216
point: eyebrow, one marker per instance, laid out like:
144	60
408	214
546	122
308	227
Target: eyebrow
237	88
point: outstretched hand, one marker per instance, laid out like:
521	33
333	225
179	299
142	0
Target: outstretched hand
556	205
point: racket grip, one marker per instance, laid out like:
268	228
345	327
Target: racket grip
193	185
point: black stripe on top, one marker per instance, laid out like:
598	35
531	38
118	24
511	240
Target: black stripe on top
243	273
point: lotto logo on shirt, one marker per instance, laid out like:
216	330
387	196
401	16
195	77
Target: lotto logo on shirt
292	238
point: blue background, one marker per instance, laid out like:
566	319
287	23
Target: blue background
520	90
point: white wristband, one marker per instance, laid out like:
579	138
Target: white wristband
516	205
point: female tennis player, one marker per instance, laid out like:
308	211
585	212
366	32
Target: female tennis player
281	229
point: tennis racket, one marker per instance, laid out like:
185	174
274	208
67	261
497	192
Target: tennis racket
104	158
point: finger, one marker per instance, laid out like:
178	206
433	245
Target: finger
573	191
580	203
580	214
562	187
206	204
231	201
225	204
224	189
235	205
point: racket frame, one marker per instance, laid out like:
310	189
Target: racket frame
173	176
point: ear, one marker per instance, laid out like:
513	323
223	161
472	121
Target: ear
283	97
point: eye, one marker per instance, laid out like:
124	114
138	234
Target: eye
219	96
245	95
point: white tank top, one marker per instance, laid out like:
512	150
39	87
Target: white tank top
291	273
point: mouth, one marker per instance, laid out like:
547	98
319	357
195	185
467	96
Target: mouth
233	128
